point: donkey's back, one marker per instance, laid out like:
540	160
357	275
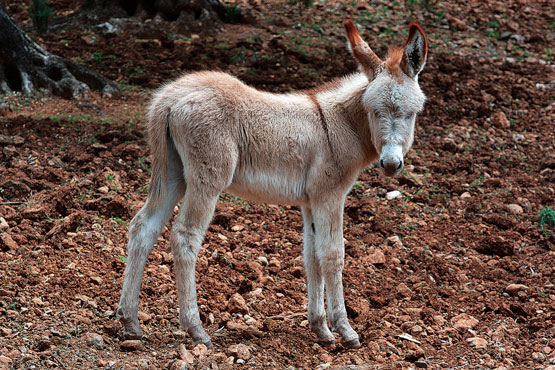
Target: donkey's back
261	146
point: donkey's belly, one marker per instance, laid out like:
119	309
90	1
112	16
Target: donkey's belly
270	187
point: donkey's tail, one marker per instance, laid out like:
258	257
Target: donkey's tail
158	133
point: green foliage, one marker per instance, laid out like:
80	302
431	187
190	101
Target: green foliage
306	3
97	57
231	14
426	4
546	217
494	24
40	13
493	31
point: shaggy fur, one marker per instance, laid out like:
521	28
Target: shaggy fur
210	133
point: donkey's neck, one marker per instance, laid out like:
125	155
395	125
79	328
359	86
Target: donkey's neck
341	102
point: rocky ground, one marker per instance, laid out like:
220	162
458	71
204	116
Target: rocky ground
447	266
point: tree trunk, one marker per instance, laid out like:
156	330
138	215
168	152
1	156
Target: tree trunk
26	67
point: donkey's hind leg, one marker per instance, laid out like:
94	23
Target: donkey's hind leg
315	283
144	230
186	240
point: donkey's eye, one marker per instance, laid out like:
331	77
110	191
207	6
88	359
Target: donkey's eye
408	116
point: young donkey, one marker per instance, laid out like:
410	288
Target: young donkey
209	133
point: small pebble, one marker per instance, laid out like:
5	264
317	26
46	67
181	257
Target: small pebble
393	194
131	345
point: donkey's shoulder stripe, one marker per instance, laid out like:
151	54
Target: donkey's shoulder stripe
322	118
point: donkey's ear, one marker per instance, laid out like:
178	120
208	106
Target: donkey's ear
416	51
367	59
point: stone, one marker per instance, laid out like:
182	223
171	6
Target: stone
518	38
263	260
376	257
421	364
236	325
200	350
393	195
131	345
237	304
95	340
456	23
274	262
439	320
239	351
499	119
103	190
513	289
515	209
465	195
395	241
416	329
179	365
518	137
3	224
403	290
464	322
538	356
257	293
184	354
5	360
144	317
7	243
15	140
477	342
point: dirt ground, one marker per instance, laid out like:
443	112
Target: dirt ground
455	273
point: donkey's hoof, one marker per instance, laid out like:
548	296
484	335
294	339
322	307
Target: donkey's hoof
207	343
133	335
353	343
326	342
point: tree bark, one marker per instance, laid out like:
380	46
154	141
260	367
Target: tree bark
26	67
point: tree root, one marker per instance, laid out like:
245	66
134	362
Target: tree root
26	67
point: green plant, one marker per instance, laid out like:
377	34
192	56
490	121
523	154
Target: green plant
40	13
494	24
477	182
306	3
493	31
231	14
546	217
97	57
358	190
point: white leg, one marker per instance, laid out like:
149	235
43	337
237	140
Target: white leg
144	230
186	240
315	283
328	221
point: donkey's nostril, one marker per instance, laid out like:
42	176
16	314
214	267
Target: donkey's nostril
400	165
381	163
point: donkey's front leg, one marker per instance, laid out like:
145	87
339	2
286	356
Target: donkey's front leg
328	221
315	284
186	240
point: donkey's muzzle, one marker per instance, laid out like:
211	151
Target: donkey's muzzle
391	166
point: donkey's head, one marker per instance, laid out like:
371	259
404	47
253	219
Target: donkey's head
393	97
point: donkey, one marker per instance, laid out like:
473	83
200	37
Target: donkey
209	132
